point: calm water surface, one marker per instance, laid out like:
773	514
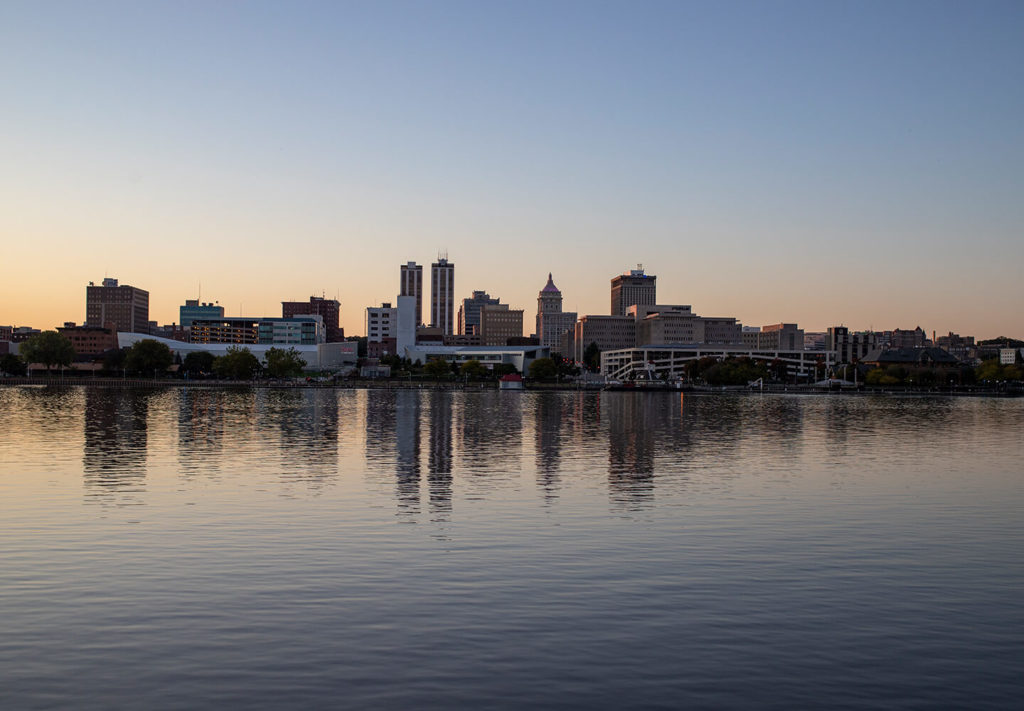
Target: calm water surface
421	549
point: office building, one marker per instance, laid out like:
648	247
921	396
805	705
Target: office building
381	322
633	288
127	307
442	295
469	312
777	336
499	323
552	322
329	310
192	309
298	330
608	332
850	347
411	284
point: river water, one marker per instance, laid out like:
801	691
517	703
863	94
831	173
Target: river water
435	550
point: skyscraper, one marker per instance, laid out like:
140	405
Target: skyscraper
442	295
412	285
552	322
127	307
635	288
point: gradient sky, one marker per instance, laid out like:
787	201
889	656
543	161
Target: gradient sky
818	162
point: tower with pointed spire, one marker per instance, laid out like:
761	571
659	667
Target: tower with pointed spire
552	322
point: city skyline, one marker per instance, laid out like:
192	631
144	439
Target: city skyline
784	162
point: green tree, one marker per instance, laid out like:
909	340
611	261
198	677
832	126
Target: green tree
148	357
237	364
592	357
543	369
198	362
503	369
473	369
49	348
281	363
437	368
12	364
113	360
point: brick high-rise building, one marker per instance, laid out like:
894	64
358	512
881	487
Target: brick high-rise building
127	307
328	309
635	288
442	295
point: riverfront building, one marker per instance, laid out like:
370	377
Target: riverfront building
633	288
298	330
127	307
442	295
657	362
329	310
192	310
411	284
381	322
499	324
552	322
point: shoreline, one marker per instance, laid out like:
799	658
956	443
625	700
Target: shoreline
142	384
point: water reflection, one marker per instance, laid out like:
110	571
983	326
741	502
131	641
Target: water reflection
115	446
439	461
632	429
427	448
550	414
200	431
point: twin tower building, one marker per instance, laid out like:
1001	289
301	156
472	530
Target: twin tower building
479	320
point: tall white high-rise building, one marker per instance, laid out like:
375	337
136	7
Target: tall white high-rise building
442	295
412	285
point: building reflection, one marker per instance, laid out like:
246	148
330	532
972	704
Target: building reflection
200	430
305	425
631	419
115	444
439	459
407	450
549	419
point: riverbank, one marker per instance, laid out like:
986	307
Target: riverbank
406	384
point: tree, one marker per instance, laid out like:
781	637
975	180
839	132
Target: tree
504	369
113	360
12	364
148	357
198	362
592	357
473	369
49	348
283	363
238	364
543	369
437	368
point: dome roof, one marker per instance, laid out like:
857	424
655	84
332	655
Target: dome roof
550	287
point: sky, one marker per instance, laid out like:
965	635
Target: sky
820	163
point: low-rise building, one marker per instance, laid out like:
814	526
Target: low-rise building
381	322
850	347
90	340
489	356
298	330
